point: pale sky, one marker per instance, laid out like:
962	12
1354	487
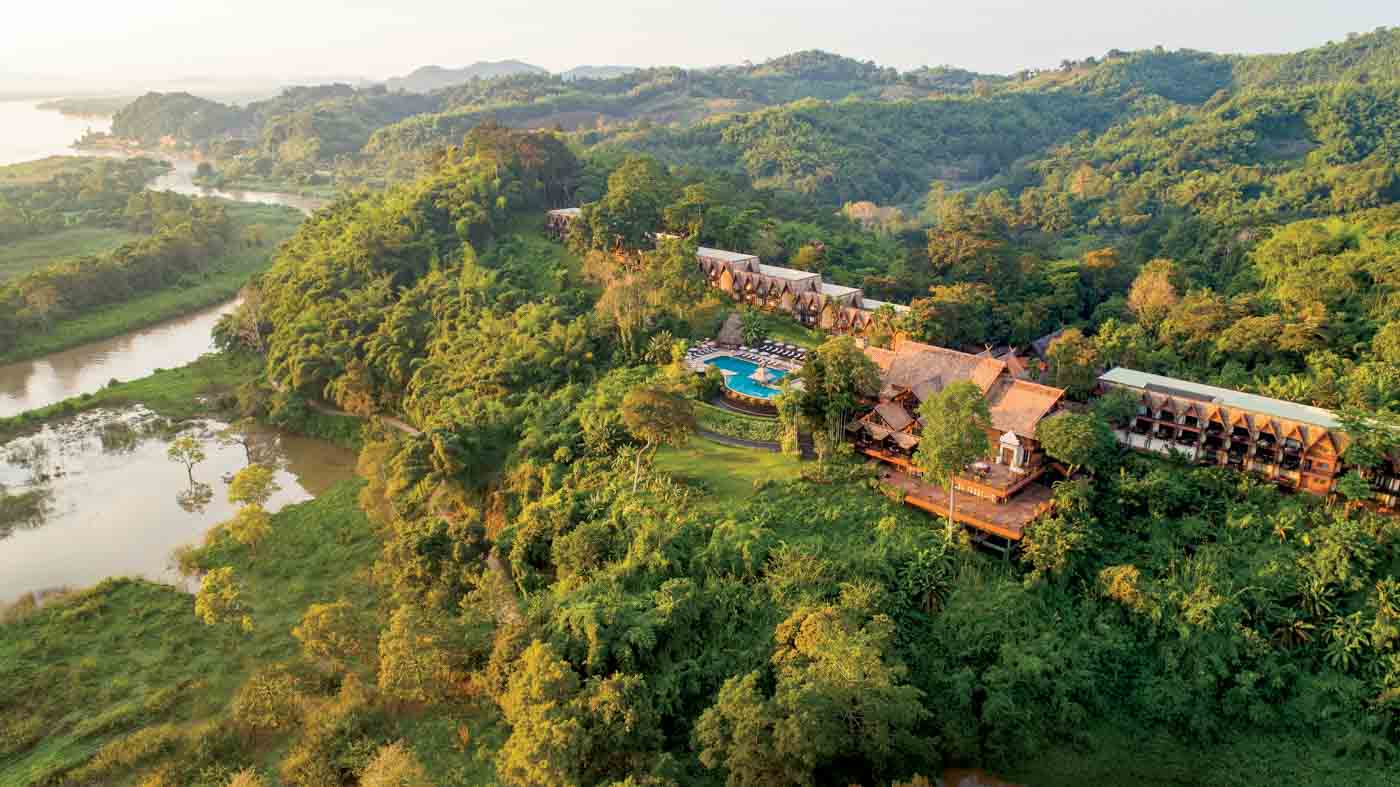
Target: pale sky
169	39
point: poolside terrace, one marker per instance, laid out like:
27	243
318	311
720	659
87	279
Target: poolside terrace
773	355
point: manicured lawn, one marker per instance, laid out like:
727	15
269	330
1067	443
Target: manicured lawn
726	473
22	256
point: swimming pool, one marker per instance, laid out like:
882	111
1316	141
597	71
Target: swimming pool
741	381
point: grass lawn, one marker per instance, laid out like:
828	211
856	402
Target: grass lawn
88	669
23	256
727	473
224	281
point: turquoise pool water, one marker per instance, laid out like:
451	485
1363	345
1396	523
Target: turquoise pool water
740	381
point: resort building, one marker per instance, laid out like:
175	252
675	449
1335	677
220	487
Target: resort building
1293	445
997	497
1385	482
815	303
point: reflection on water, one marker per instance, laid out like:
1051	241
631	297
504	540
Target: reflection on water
86	369
116	505
28	133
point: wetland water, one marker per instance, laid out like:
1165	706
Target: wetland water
105	500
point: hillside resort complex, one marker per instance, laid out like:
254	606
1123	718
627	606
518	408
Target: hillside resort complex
1294	446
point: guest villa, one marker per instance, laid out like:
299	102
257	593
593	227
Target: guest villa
999	496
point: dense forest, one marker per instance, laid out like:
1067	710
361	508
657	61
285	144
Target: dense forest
541	581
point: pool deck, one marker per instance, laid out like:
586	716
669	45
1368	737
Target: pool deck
698	364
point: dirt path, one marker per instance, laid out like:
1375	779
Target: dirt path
392	421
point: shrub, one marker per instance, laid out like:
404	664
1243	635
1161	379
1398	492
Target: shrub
744	427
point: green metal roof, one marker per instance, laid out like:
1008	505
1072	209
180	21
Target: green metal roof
1224	397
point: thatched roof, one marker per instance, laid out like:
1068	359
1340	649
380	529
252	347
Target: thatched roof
732	332
896	417
1018	406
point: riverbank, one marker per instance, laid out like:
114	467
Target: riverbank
230	272
206	388
324	191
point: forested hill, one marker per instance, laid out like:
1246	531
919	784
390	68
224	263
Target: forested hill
810	122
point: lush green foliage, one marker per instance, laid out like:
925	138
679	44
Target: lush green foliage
732	424
218	279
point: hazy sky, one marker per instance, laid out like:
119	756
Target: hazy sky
150	39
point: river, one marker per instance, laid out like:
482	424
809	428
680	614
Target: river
29	385
27	132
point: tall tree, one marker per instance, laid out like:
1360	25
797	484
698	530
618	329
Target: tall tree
1074	363
1077	439
836	378
186	450
953	436
1153	295
657	418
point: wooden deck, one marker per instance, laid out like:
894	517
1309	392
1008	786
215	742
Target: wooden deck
1008	520
996	483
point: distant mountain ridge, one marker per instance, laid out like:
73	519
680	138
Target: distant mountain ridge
429	78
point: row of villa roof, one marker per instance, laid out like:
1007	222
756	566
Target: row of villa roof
816	303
